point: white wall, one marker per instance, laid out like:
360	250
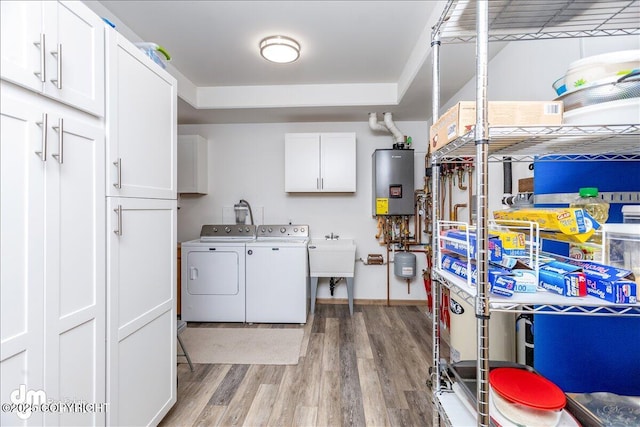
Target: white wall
246	161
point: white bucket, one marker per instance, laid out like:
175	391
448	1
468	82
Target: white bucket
463	331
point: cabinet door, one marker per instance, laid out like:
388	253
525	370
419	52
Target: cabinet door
20	49
302	162
22	252
74	55
192	164
75	272
338	162
141	123
55	48
141	313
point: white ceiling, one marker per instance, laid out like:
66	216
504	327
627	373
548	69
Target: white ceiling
357	57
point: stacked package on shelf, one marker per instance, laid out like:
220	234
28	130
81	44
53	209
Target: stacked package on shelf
562	278
500	282
565	224
516	277
609	283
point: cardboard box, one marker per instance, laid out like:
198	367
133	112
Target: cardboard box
563	279
609	283
500	281
575	224
459	246
513	243
461	118
525	185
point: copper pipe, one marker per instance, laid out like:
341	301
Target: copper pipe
388	276
460	176
455	210
451	196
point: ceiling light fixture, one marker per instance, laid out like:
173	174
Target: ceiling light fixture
280	49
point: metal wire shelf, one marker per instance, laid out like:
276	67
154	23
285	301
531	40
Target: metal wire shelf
540	302
557	143
540	20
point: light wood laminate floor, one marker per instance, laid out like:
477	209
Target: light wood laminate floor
369	369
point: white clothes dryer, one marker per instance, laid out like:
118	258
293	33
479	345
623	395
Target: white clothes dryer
213	274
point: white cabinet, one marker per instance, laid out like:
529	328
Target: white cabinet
53	249
141	123
320	162
55	48
193	176
142	238
141	318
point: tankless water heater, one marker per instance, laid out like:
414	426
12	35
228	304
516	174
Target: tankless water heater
393	182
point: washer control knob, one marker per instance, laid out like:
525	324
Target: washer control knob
282	230
227	229
270	229
264	229
215	229
295	230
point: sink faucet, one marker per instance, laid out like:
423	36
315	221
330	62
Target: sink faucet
332	236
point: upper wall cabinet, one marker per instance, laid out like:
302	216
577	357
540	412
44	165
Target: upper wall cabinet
192	164
141	124
55	48
320	162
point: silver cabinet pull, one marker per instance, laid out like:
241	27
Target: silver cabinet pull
118	211
43	126
60	129
318	183
118	164
58	55
40	45
322	183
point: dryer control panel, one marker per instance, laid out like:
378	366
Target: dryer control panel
283	230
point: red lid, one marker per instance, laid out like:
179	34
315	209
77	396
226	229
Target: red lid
527	388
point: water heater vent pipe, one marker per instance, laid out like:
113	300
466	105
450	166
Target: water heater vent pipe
386	125
388	121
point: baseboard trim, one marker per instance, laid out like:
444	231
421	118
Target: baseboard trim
393	302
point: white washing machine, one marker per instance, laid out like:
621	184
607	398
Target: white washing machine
213	274
278	275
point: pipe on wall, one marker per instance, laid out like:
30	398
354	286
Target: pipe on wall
388	121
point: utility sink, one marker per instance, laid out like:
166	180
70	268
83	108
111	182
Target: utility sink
332	258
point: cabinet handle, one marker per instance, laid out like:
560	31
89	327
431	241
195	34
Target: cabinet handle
58	55
118	212
318	183
43	126
322	183
40	45
118	164
60	130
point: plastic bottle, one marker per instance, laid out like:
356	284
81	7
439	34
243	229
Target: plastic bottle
594	205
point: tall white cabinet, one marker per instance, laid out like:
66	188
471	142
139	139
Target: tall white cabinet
53	208
88	224
142	237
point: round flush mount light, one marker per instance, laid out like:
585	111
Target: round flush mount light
280	49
